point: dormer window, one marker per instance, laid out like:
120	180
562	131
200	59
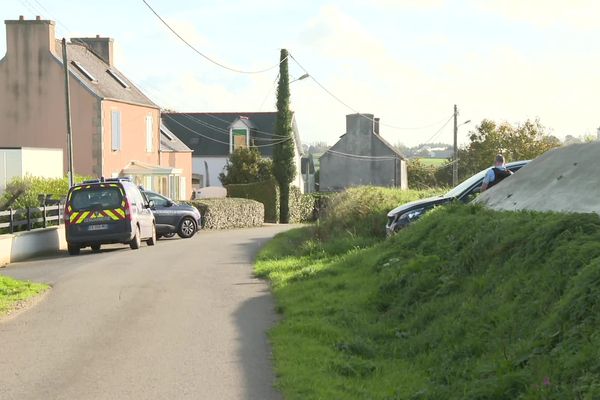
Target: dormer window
84	71
239	133
240	138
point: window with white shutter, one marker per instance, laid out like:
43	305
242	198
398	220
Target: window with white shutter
116	130
149	134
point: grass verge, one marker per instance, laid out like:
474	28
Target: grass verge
14	292
467	303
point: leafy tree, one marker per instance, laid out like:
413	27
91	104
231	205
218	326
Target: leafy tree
521	142
284	169
246	165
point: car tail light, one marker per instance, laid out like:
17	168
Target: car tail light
127	210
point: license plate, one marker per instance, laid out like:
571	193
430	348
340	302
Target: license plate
98	227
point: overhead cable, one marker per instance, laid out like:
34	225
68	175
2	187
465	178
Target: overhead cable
329	92
216	140
361	157
204	55
438	131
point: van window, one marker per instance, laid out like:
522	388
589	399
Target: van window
96	198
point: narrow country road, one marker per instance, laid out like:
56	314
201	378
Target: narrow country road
184	319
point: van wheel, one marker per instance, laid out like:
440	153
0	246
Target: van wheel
136	241
73	249
187	228
152	240
95	248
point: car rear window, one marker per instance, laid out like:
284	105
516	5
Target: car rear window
96	198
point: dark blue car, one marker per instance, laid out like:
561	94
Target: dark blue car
403	215
173	218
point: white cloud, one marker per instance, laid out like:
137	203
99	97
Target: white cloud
581	14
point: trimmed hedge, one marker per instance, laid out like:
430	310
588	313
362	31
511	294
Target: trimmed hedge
302	206
229	213
266	192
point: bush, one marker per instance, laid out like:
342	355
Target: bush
302	206
266	192
229	213
362	211
421	176
24	192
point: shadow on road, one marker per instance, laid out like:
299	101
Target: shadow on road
253	320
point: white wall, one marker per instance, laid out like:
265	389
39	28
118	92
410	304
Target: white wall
10	166
46	163
215	167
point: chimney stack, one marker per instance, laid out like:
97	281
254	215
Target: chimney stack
100	46
38	34
376	126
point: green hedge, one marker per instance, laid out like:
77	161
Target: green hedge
302	206
266	192
229	213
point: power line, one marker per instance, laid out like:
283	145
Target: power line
353	109
204	55
216	140
361	157
439	130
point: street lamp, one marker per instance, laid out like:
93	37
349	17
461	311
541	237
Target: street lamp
300	78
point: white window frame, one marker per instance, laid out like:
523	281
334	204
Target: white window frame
149	134
115	127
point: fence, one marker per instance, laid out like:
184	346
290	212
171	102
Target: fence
12	221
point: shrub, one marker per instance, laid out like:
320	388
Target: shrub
362	211
266	192
229	213
24	192
302	206
246	165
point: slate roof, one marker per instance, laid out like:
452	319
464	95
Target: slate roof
170	143
207	134
104	85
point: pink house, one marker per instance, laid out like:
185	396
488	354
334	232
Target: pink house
116	128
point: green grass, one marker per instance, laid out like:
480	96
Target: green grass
467	303
12	292
436	162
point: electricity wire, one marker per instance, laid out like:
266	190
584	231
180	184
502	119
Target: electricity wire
204	55
216	140
330	93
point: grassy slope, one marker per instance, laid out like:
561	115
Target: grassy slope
467	303
13	292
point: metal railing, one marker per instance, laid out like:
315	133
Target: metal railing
26	219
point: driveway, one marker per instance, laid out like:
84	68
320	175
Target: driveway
184	319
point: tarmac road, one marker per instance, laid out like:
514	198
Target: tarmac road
184	319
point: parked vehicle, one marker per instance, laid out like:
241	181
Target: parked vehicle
403	215
173	218
107	211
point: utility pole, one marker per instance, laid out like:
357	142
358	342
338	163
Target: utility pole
68	103
455	158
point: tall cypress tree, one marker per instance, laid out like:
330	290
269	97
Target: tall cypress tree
283	152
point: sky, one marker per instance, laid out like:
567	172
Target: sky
407	62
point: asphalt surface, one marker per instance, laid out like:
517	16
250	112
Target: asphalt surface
184	319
